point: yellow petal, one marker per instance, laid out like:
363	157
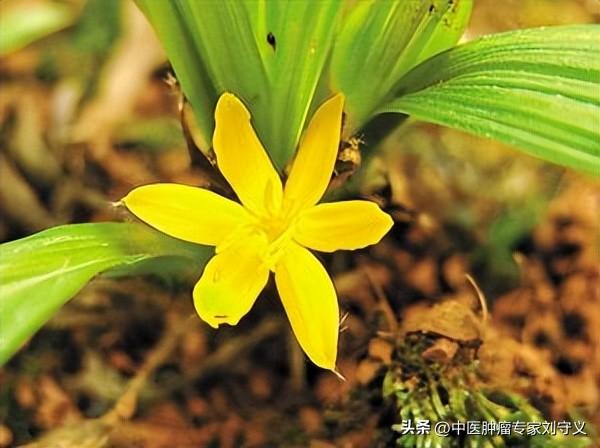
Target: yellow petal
310	303
344	225
312	168
189	213
242	158
231	282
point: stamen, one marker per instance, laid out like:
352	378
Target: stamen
277	247
272	204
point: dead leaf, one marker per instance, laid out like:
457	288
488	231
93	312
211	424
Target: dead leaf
6	436
442	351
449	318
367	369
381	349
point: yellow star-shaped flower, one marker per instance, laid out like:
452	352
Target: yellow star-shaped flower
271	229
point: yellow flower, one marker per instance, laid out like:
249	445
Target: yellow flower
271	229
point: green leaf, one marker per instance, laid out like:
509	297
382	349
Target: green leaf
22	25
381	40
98	27
536	89
304	33
153	134
40	273
170	25
269	53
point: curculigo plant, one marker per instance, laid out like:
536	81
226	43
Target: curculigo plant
276	88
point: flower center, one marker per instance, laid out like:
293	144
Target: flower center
271	232
278	233
273	228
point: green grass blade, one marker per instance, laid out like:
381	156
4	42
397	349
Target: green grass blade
382	40
40	273
170	25
304	33
22	25
535	89
271	54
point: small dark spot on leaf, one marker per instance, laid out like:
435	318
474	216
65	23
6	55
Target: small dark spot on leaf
271	40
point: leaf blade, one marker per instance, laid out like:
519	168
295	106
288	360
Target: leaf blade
230	40
22	26
166	19
40	273
536	89
381	40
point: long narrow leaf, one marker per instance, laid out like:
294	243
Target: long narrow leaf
271	54
22	25
382	40
40	273
304	33
536	89
168	22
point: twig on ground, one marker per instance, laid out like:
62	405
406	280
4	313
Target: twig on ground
125	407
384	304
297	363
480	297
225	355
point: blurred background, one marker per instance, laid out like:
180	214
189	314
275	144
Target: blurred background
89	109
